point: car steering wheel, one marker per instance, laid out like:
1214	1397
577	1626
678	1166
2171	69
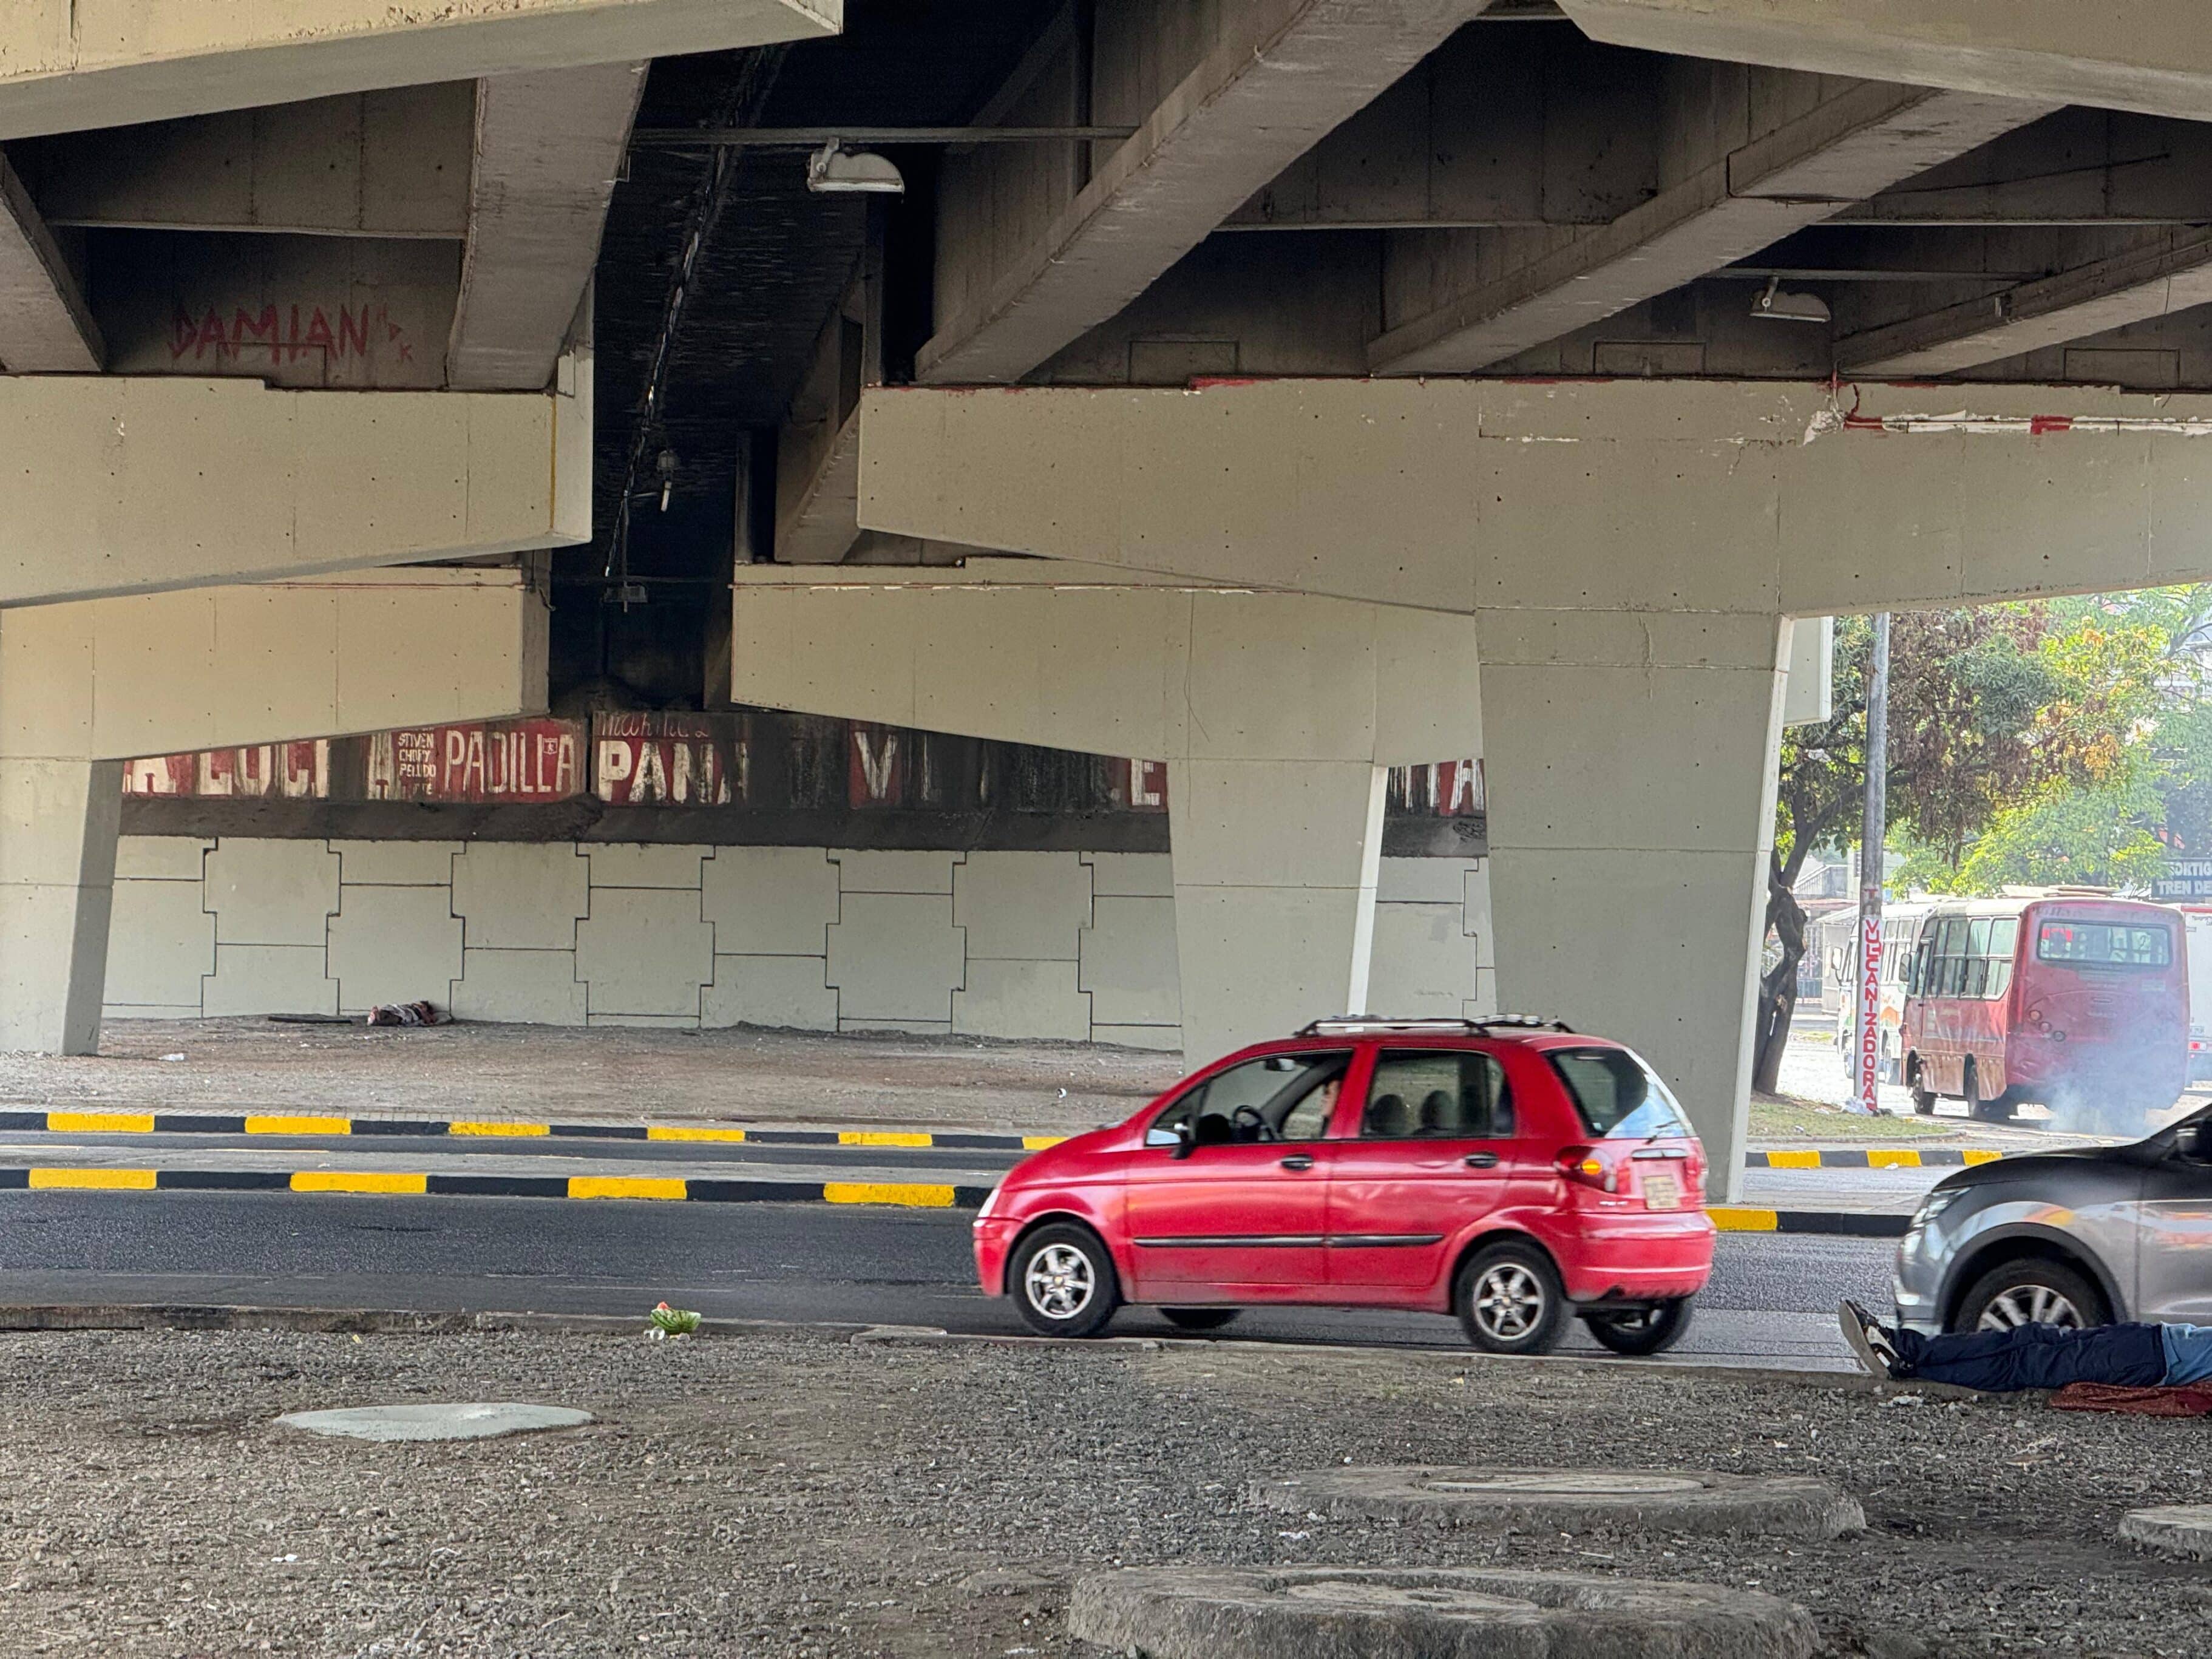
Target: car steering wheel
1256	1127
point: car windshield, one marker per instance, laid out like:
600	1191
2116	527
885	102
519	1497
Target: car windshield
1620	1097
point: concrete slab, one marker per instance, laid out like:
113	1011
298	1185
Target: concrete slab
1374	1613
1672	1501
2182	1529
437	1422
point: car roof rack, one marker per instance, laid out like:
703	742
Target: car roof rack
1354	1024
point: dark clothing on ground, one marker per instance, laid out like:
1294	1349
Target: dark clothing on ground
2037	1357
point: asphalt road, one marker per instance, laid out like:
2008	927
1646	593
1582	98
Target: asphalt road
1771	1301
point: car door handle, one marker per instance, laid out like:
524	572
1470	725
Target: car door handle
1298	1161
1480	1160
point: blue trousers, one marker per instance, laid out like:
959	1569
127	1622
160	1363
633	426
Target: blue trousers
2038	1357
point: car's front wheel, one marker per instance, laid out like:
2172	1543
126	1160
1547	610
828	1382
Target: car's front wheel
1508	1300
2031	1291
1640	1331
1064	1282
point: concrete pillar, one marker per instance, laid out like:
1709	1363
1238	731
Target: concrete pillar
1275	865
1629	762
58	818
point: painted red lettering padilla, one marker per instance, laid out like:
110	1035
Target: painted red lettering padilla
488	761
670	760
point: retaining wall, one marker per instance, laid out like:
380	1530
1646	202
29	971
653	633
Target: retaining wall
1070	944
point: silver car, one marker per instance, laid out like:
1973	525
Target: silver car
2080	1237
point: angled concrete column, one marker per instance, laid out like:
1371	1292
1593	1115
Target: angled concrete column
1629	760
58	827
85	686
1276	713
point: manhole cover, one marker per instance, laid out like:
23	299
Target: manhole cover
1391	1612
1574	1486
2184	1529
474	1421
1572	1500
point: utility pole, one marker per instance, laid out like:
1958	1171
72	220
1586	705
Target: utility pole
1872	831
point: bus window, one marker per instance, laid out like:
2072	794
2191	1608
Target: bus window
2104	945
2004	939
1951	957
1978	957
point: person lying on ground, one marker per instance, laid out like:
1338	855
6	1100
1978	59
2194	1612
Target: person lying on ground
2031	1356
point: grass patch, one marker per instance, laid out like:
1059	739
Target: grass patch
1814	1122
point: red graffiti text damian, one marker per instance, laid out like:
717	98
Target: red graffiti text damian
285	335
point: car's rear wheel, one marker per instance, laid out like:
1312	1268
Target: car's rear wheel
1639	1331
1198	1319
1508	1300
1064	1281
2031	1291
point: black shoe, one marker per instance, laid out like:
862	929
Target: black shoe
1869	1341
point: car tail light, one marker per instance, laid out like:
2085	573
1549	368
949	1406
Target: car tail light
1581	1164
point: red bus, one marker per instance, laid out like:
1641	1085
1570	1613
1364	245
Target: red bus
2076	1003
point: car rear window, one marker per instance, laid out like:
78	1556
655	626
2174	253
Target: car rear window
2105	944
1618	1094
1437	1094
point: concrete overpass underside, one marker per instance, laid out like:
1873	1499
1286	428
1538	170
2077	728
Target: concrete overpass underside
1280	389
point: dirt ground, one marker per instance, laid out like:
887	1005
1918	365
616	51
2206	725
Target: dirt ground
803	1493
604	1074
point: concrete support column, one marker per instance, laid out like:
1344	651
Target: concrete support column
58	821
1275	865
1629	761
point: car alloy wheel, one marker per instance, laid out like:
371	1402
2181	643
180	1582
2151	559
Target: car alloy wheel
2029	1305
1509	1299
1508	1302
1059	1282
1063	1281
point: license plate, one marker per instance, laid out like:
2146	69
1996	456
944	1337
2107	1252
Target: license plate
1662	1192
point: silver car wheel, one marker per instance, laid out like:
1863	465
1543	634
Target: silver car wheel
2029	1305
1508	1302
1061	1281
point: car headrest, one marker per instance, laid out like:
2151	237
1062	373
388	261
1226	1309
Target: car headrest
1211	1129
1439	1113
1388	1117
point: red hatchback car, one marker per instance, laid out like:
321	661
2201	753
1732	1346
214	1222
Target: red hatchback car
1508	1170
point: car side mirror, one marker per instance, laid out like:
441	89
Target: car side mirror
2192	1144
1186	1142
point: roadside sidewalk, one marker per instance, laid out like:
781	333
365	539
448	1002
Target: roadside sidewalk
631	1076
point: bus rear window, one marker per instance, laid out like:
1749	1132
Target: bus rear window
2104	945
1618	1094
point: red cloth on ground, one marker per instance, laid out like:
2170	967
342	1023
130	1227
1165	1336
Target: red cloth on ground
2147	1402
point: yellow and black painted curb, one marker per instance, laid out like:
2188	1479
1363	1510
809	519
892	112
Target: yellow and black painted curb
904	1194
309	1125
1835	1224
1870	1158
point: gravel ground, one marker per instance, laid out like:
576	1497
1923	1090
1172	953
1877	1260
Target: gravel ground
803	1494
604	1074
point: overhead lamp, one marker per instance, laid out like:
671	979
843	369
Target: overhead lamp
834	171
1789	308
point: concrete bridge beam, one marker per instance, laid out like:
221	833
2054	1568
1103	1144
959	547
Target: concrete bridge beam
67	66
1277	714
85	686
